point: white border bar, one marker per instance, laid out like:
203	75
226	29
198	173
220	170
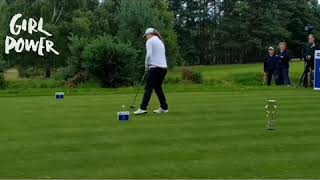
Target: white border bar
316	58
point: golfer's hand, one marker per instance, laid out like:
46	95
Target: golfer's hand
147	68
308	57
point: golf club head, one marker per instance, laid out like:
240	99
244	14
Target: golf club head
132	107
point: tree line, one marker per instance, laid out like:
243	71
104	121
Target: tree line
102	39
229	31
96	40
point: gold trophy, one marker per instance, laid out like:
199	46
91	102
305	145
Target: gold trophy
271	112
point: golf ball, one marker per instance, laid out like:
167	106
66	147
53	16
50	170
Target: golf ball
123	106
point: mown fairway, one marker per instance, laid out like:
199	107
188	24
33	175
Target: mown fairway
206	135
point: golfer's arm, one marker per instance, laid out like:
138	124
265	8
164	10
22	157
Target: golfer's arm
149	53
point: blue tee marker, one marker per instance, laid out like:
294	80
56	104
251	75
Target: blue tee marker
59	95
124	116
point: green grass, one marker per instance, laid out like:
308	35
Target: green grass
220	76
209	134
223	71
235	75
213	130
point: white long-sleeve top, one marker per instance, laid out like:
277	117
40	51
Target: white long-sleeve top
156	53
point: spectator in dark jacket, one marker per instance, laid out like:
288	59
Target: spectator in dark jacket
309	59
270	65
284	59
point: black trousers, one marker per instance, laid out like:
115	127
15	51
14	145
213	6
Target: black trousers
270	73
154	80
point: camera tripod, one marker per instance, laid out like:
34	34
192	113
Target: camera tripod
307	69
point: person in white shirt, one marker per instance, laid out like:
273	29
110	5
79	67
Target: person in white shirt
156	67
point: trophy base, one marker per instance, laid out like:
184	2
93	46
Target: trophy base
271	128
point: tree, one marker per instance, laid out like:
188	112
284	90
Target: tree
186	29
135	16
105	21
300	13
60	16
76	72
3	83
249	28
2	29
110	61
228	31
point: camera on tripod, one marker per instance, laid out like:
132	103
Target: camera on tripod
309	29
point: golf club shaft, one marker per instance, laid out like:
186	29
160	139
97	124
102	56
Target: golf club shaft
135	97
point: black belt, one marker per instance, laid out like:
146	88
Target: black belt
153	66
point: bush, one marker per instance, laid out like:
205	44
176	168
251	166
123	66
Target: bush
190	75
186	74
247	79
3	83
76	72
197	77
111	62
36	83
78	79
172	80
29	72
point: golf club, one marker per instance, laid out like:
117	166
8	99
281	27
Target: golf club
135	98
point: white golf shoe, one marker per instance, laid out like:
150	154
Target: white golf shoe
160	111
140	112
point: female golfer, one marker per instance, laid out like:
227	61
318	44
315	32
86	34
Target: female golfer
156	67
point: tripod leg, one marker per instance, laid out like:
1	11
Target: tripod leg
301	79
303	76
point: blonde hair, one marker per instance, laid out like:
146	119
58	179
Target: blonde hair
284	44
157	33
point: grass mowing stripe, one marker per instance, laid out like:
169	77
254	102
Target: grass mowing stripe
189	135
205	135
